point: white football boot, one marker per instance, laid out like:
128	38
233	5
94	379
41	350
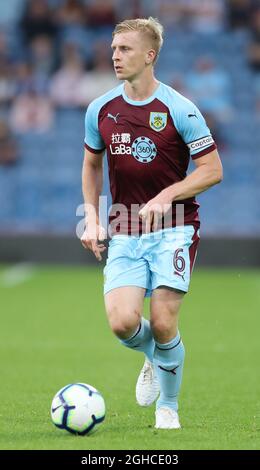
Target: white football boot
147	386
166	418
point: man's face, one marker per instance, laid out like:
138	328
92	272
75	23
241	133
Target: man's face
130	54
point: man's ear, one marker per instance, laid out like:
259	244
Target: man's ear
150	56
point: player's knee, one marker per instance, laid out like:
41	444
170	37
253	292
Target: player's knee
123	322
159	326
163	327
123	328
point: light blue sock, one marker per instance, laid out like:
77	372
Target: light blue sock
168	361
141	340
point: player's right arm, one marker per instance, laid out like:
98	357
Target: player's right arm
92	182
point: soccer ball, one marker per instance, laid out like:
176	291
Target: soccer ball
78	408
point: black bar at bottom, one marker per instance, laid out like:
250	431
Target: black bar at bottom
120	458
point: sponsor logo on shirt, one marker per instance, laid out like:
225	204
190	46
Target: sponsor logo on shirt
158	121
121	149
142	149
122	139
200	143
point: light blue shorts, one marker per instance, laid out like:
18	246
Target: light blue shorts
163	258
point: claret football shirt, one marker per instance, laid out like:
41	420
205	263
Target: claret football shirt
148	145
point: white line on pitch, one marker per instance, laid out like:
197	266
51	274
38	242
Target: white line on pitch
17	274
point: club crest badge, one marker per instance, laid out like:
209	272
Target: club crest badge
158	121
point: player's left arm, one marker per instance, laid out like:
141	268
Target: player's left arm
195	133
208	172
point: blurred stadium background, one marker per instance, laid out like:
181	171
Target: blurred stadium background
55	58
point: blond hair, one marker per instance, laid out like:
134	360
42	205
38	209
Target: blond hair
149	27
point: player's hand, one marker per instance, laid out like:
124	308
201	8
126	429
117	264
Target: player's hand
154	210
90	239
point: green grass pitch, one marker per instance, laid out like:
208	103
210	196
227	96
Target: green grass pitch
54	332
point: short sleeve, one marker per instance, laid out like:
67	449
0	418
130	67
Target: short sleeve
93	140
194	130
